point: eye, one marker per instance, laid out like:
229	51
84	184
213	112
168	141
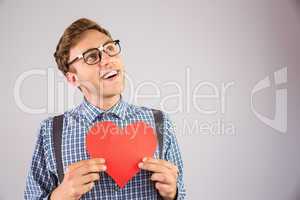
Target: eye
92	56
110	48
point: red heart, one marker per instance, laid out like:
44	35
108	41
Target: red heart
122	149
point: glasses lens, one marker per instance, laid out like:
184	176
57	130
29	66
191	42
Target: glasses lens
92	56
112	48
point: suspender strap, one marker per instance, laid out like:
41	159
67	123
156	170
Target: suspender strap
158	118
57	138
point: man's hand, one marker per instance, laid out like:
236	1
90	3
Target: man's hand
165	175
79	179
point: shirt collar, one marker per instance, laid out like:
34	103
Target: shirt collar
91	112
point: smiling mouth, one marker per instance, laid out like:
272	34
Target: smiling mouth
110	75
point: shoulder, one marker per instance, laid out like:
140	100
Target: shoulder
132	108
68	116
46	125
168	124
142	111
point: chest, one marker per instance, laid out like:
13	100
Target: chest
74	147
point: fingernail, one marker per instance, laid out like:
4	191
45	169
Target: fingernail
104	167
92	185
140	165
144	159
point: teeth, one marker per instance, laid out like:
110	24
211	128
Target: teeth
110	73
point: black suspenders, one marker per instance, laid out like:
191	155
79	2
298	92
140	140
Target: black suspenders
57	133
57	139
158	119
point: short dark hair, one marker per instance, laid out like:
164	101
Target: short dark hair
70	37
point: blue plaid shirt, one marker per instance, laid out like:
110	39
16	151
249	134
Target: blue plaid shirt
43	178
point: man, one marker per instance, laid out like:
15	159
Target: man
90	60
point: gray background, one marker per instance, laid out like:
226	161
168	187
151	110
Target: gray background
218	41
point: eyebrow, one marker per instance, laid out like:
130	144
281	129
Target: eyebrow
107	41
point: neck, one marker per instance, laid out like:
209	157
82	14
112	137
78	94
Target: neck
104	103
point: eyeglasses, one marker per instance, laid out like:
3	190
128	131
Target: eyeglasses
94	55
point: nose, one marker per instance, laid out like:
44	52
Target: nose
105	59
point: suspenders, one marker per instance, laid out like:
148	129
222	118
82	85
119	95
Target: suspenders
57	133
57	139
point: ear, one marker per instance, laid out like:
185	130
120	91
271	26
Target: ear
72	79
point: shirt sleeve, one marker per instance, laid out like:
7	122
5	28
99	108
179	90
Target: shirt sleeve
172	154
40	180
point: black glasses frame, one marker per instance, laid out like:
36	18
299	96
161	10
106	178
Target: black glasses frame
100	49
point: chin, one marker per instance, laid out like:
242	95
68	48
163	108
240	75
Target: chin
113	93
110	95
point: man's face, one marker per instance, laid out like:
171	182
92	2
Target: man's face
96	79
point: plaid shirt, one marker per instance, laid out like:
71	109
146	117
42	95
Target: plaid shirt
43	178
